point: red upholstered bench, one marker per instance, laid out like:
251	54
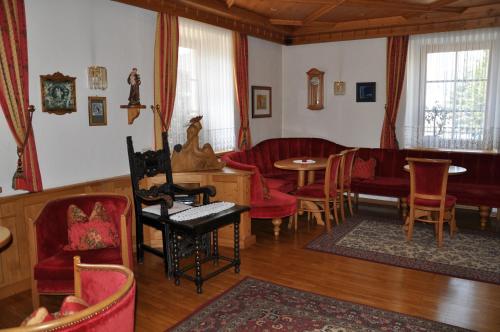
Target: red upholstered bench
479	186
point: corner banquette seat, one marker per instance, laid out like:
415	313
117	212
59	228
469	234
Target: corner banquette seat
479	186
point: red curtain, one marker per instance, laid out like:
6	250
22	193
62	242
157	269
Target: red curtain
397	51
241	80
14	90
166	57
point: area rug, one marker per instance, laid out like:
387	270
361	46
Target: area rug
469	254
256	305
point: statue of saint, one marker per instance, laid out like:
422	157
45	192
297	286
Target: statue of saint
134	80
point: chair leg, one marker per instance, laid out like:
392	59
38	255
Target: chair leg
453	223
351	211
296	220
440	231
342	212
335	213
410	219
167	261
327	215
276	222
139	240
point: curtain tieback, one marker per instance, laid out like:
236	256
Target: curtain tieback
19	174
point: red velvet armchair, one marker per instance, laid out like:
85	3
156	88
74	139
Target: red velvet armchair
272	204
52	265
109	290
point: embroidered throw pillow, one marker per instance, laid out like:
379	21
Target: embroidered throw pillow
40	315
94	232
364	169
72	304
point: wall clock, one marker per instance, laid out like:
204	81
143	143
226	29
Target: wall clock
315	89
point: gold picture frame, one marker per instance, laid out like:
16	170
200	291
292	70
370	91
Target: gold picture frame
339	88
58	93
262	102
97	111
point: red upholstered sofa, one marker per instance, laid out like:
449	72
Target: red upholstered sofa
479	186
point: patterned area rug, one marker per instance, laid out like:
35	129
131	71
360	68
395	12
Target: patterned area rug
469	254
255	305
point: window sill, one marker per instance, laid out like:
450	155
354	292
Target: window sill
494	151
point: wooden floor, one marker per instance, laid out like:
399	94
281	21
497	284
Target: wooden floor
160	304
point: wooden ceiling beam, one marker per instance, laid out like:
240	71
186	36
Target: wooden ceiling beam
216	13
441	3
229	3
277	21
322	11
403	6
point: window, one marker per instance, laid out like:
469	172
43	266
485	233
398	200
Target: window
205	85
451	81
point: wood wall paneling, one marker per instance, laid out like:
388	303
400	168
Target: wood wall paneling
15	211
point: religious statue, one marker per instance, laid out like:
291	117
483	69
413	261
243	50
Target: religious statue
189	157
134	80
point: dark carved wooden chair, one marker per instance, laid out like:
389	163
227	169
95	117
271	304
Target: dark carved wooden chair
149	164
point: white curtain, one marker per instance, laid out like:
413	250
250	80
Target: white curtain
452	91
205	85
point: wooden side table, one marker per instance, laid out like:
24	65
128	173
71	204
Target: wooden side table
196	228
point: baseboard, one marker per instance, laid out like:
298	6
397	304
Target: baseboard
17	287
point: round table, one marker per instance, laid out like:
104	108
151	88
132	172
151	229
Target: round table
452	170
5	237
302	165
305	165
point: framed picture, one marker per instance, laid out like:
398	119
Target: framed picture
97	111
366	92
339	88
262	106
58	93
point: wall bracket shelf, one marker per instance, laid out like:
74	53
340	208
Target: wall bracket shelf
133	111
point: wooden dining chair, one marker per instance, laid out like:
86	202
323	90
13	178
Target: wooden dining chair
428	200
323	193
345	178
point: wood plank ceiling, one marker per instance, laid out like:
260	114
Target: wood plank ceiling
294	22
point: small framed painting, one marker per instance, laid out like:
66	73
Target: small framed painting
58	93
261	102
366	92
97	111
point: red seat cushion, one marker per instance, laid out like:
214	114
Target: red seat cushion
282	185
315	190
448	203
60	266
475	194
278	206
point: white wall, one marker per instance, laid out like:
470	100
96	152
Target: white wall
265	69
68	36
342	120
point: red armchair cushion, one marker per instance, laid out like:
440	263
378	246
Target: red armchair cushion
40	315
283	185
72	304
278	206
265	187
60	266
94	232
448	203
364	169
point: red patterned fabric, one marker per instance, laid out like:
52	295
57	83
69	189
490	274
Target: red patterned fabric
364	169
54	266
90	233
448	203
397	50
165	74
241	81
72	304
279	205
40	315
14	90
